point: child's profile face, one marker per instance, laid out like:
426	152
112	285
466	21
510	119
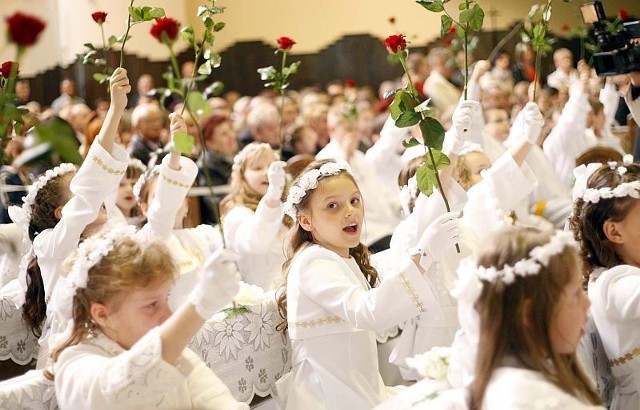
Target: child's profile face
476	162
126	200
309	142
627	241
497	124
567	325
335	214
255	174
134	313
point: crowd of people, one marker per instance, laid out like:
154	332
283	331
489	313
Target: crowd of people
522	257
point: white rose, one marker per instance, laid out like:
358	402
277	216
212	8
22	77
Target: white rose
249	295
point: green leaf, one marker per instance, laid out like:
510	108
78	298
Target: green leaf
477	18
56	133
156	12
408	119
201	11
445	24
293	68
460	30
101	78
431	5
426	179
462	6
208	22
187	33
441	160
183	142
395	109
205	69
432	133
412	142
218	26
89	46
215	60
214	89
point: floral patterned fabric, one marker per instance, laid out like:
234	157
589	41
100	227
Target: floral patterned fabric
245	351
17	342
31	391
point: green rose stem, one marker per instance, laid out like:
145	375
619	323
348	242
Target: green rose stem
427	149
537	73
126	35
281	124
504	40
104	48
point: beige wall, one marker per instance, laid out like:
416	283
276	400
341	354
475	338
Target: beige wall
314	24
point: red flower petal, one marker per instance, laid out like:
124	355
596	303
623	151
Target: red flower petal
285	43
24	29
448	42
5	69
99	16
622	13
395	43
350	83
165	25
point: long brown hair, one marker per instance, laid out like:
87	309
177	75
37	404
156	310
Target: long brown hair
50	197
298	239
131	265
515	318
587	219
241	193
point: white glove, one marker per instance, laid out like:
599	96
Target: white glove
533	123
461	123
441	234
276	176
219	283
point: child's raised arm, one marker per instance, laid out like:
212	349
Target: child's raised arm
177	125
119	87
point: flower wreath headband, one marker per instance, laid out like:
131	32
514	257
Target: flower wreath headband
22	215
89	254
538	258
594	195
143	179
309	180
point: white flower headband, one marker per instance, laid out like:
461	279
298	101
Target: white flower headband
538	257
22	215
89	253
594	195
309	180
248	150
143	179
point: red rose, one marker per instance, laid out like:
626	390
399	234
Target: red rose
285	43
5	69
165	25
99	17
622	13
448	42
564	28
392	20
452	30
395	43
350	83
24	29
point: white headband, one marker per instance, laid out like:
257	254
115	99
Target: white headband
249	149
309	180
137	164
89	253
538	257
21	216
143	179
594	195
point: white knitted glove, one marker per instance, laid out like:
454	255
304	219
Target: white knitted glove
277	177
533	123
219	283
441	234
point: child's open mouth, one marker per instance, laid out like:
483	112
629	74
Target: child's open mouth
351	229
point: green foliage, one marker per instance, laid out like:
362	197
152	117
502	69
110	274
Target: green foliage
432	132
183	143
145	13
536	27
278	81
411	142
426	174
235	311
51	133
198	104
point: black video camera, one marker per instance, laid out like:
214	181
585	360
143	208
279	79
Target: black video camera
619	53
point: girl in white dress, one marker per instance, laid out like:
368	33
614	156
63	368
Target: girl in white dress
605	221
532	310
65	206
252	214
332	302
126	349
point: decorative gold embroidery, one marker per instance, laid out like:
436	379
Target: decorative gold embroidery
174	182
626	358
104	166
315	322
412	293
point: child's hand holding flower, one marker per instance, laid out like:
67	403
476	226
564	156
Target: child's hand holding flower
177	124
120	87
276	176
219	283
